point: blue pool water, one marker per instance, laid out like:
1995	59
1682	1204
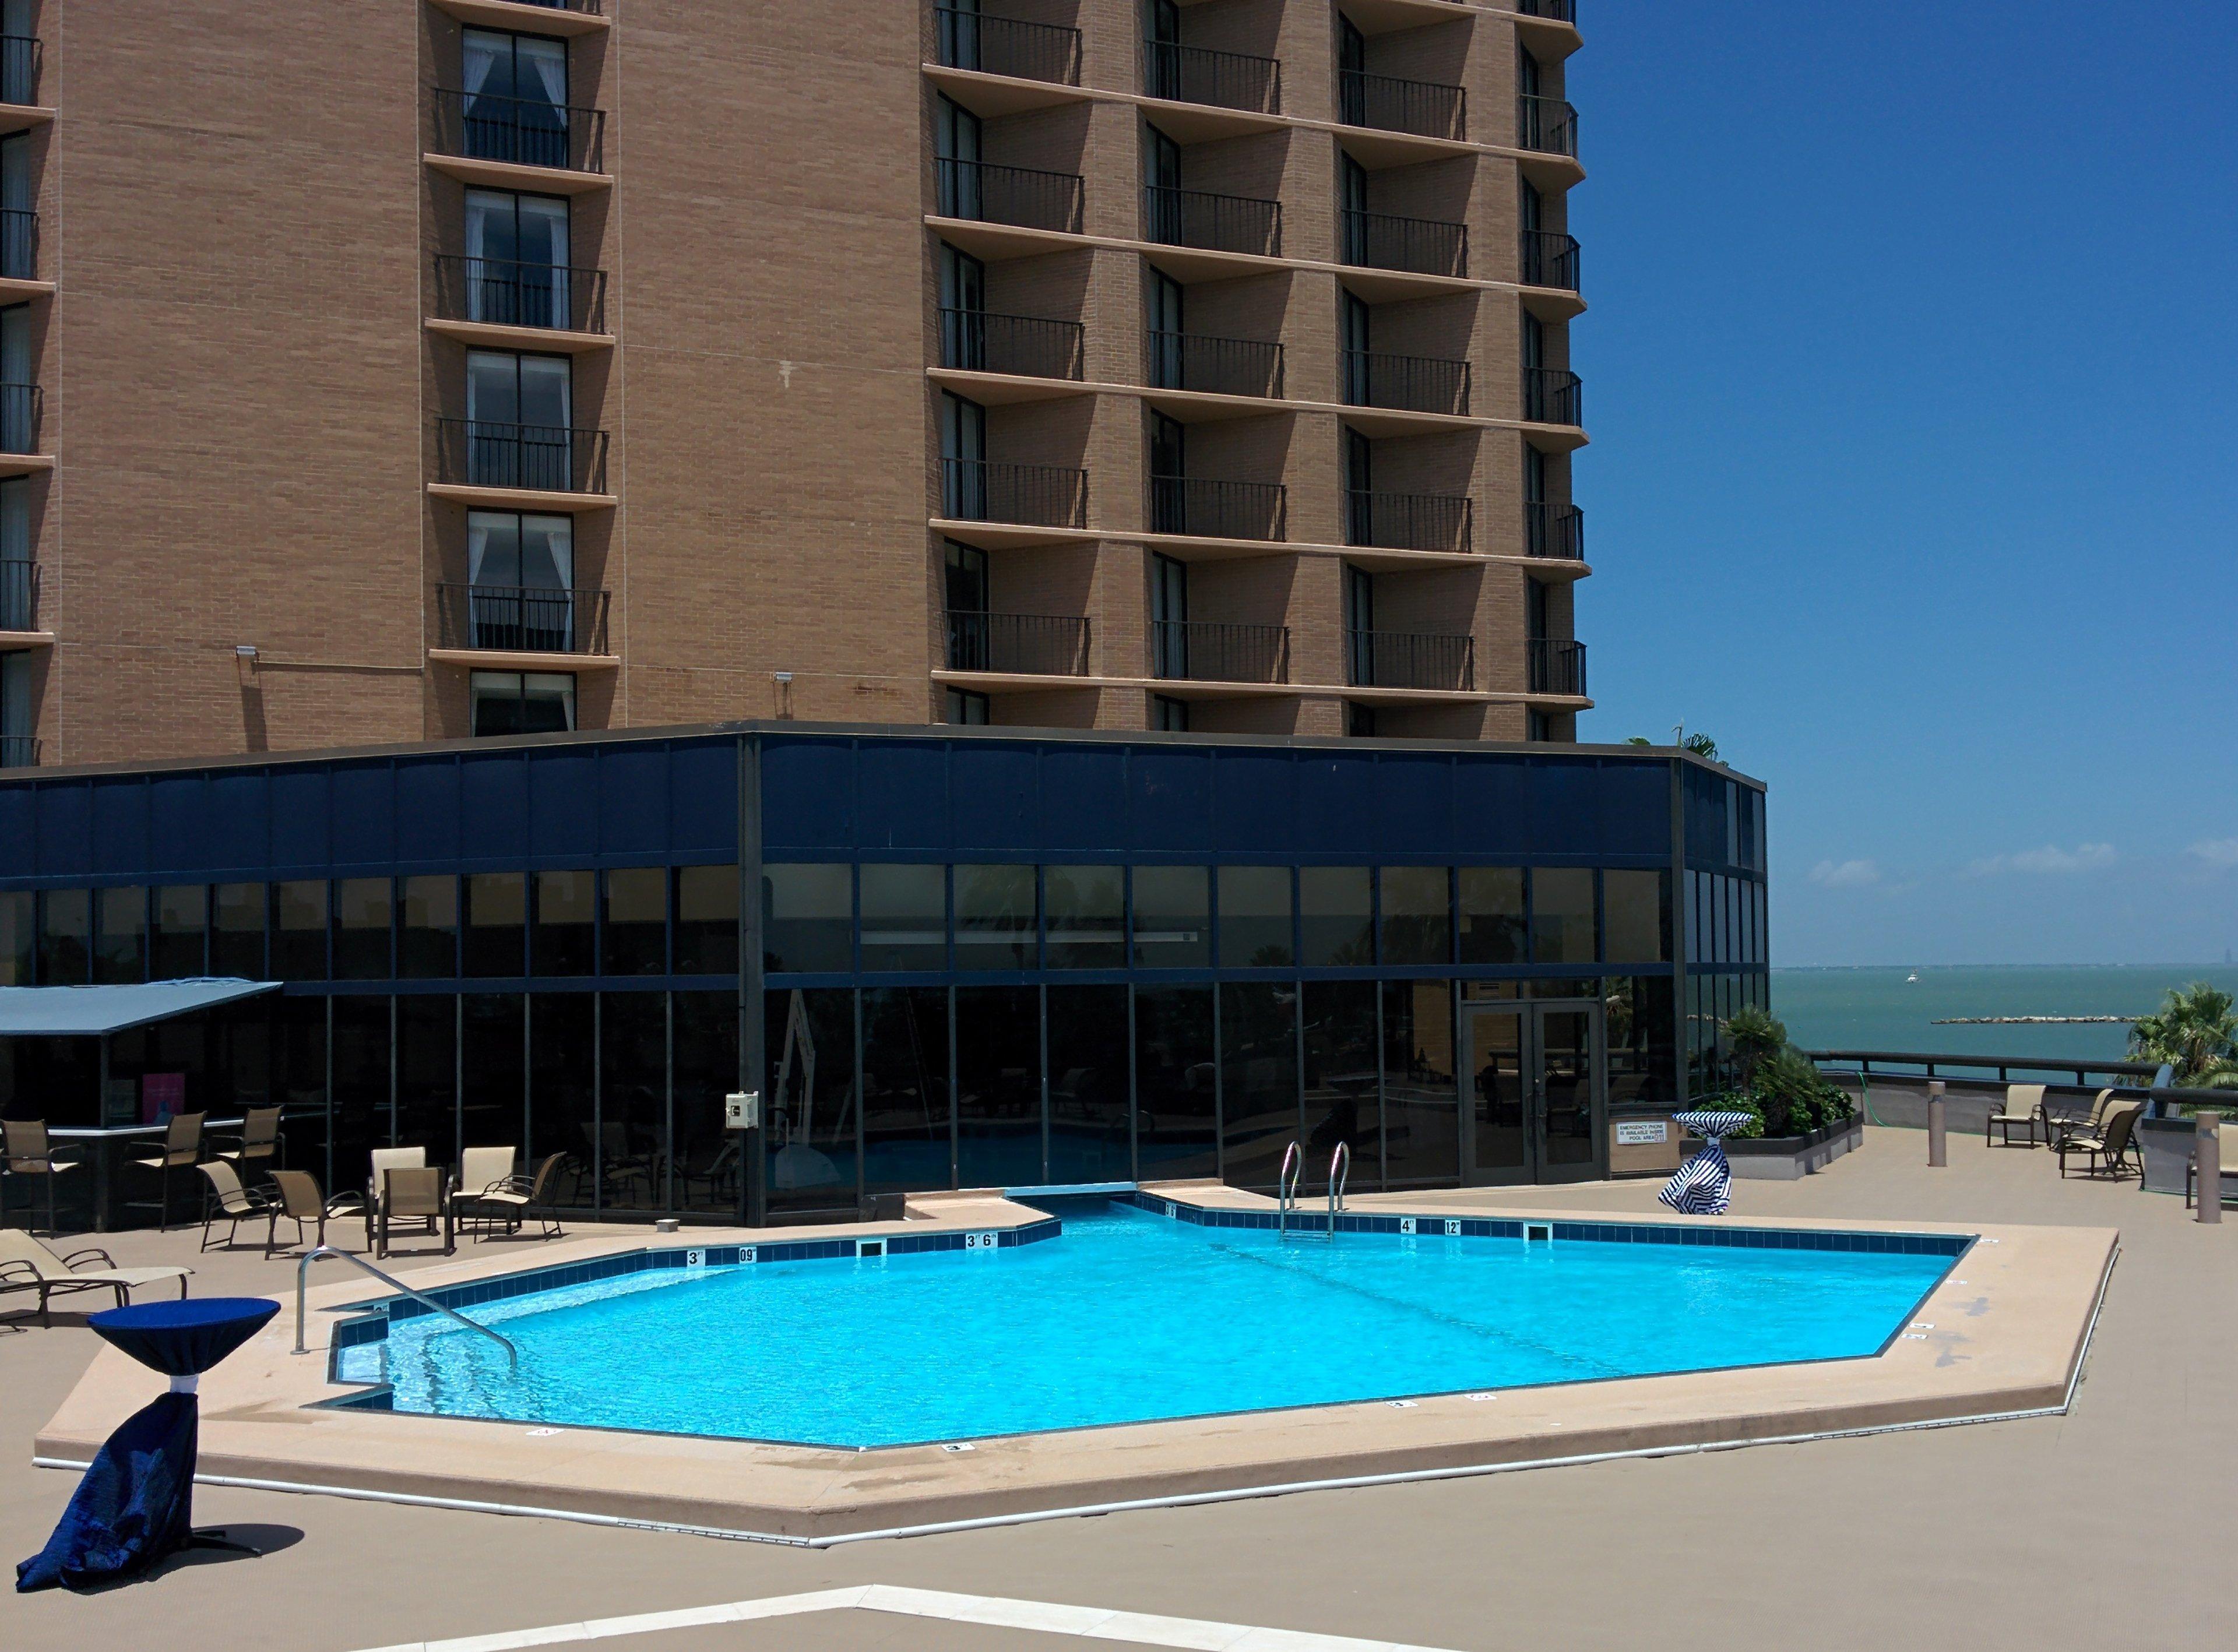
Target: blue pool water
1128	1316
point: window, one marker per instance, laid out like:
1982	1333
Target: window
237	931
1336	909
1359	627
962	310
516	267
1421	1097
707	921
427	947
515	97
1162	49
361	923
1352	324
1087	1062
1169	492
1162	299
18	943
1351	64
904	917
964	592
522	702
1561	916
808	918
1352	209
19	393
1358	720
298	930
1173	917
565	942
1491	926
1256	912
996	916
1170	630
1086	908
810	1086
1358	488
65	937
905	1112
998	1086
1169	714
176	949
19	220
18	610
520	420
19	68
635	938
955	150
963	459
497	922
968	710
1258	1079
1177	1119
522	569
120	935
1635	913
1161	177
17	747
1418	925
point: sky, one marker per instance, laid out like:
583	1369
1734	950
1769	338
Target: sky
1911	372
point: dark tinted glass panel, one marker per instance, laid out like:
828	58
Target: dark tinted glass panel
706	1070
1418	925
427	939
18	942
1421	1101
299	1083
120	934
904	917
1561	916
810	1091
1086	916
998	1087
237	931
707	923
1173	917
298	930
1088	1137
1340	1083
65	937
995	917
1254	918
497	920
633	1100
567	923
428	1080
1177	1117
493	1053
361	918
1637	916
636	931
905	1121
562	1065
1258	1079
361	1118
1491	915
1333	906
176	950
808	918
1642	1062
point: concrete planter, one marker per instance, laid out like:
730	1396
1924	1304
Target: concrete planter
1790	1158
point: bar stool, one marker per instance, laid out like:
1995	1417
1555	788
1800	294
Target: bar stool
24	1142
183	1150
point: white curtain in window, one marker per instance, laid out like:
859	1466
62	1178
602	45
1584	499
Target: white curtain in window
487	62
543	65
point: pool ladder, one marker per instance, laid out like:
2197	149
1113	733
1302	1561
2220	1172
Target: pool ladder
1294	1171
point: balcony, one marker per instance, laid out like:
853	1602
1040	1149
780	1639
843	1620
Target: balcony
1010	46
1409	521
1553	10
1211	651
1214	222
1556	531
519	131
498	292
1413	383
980	489
1209	510
544	459
19	596
1552	396
1027	345
21	58
1018	644
1410	660
19	245
1423	108
1555	668
1420	246
22	405
1547	125
18	752
1213	366
999	195
1549	258
521	619
1179	74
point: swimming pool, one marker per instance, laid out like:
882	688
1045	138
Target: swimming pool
1129	1315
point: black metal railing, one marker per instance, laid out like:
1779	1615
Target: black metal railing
19	244
551	459
19	751
1546	124
509	293
1549	258
1223	223
1554	530
1217	367
588	8
1410	660
22	407
21	57
1182	74
19	595
1425	246
983	341
1426	108
520	131
1409	521
1552	396
1024	644
981	489
1215	651
1213	510
1555	667
1558	11
1418	383
527	619
1005	46
999	195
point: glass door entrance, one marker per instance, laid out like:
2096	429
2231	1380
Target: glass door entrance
1533	1106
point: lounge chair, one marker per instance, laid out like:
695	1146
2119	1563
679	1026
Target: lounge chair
183	1150
2023	1106
297	1199
413	1194
30	1154
26	1265
2108	1149
483	1170
230	1201
524	1194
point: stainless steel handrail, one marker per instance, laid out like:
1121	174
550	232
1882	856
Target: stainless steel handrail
303	1280
1294	1171
1340	1174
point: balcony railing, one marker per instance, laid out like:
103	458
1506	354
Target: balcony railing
551	459
1022	644
19	751
1559	10
533	619
19	595
980	489
1222	223
588	8
1546	124
1425	246
1426	108
1549	259
1556	668
999	195
1217	367
520	131
22	407
1005	46
1409	521
1556	531
982	341
1410	660
1417	383
1211	651
1211	510
1182	74
508	292
19	244
21	56
1552	396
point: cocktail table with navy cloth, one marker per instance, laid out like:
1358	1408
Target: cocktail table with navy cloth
135	1504
1703	1185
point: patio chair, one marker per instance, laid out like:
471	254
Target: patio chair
26	1265
259	1146
2091	1121
2108	1148
297	1199
2023	1106
383	1160
183	1150
226	1200
30	1154
524	1194
417	1193
483	1170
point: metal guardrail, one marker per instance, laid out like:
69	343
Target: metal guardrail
1387	103
1556	667
507	291
21	58
303	1280
22	408
519	131
1422	246
988	193
1556	531
1213	366
1215	222
1027	644
19	595
1411	660
981	489
1179	74
1205	650
1553	396
535	620
1891	1060
1413	383
1031	346
1409	521
19	751
19	244
1210	509
1548	258
1556	11
1547	125
1012	46
552	458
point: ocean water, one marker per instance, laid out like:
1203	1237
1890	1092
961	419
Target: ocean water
1880	1009
1127	1316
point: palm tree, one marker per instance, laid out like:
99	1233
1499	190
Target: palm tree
2194	1032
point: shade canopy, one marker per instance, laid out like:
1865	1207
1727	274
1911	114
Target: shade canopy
88	1012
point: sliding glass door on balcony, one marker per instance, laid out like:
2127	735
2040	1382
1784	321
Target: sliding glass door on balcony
520	572
19	52
519	421
19	221
516	271
515	100
19	396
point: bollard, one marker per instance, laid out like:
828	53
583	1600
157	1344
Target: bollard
2207	1165
1939	1152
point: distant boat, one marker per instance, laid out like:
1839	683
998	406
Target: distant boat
1913	976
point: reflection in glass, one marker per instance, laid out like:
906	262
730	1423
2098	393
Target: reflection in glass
1086	916
1642	1066
562	1092
1492	915
299	1080
1177	1117
904	917
299	939
1341	1081
494	1108
1421	1101
361	919
120	935
1173	917
237	933
497	921
707	1069
808	918
1087	1132
427	1080
905	1117
567	923
633	1100
1258	1079
633	940
1418	926
1561	914
998	1087
361	1118
1334	911
810	1087
18	942
182	919
707	921
428	942
1254	918
1636	916
995	917
1566	1064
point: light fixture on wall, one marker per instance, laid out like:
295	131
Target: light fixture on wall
244	661
784	681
